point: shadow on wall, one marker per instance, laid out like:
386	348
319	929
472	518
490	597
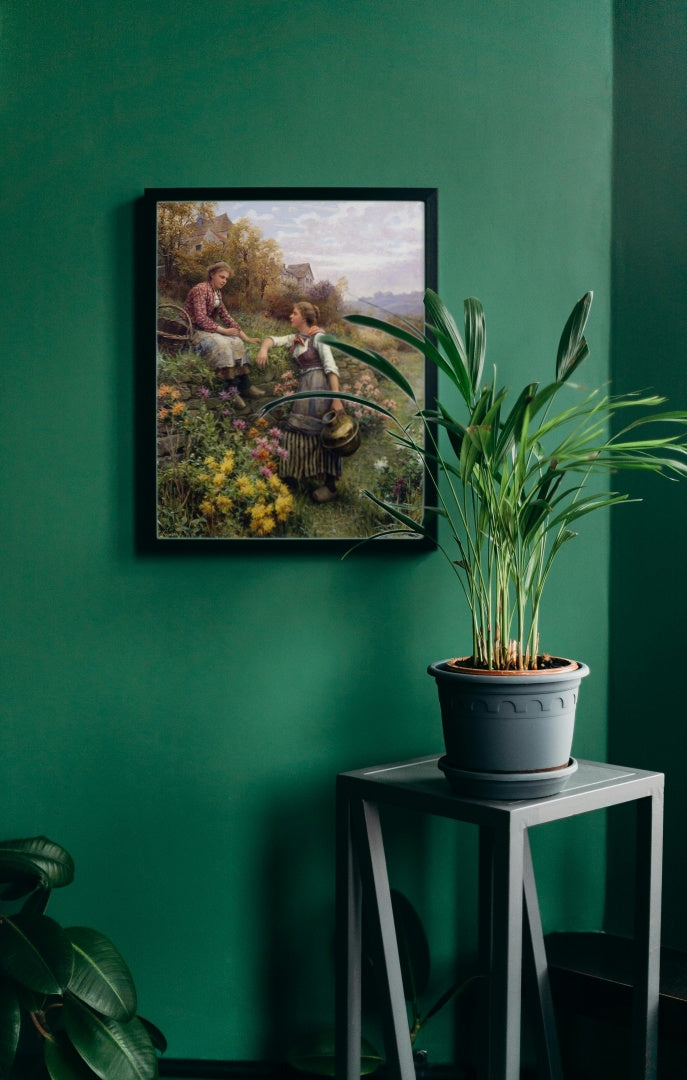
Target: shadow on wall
297	895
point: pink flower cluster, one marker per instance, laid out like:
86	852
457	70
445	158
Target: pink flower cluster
288	384
367	387
268	447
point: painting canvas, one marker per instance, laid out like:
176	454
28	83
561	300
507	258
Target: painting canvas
247	283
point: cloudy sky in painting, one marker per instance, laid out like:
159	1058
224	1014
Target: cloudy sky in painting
377	246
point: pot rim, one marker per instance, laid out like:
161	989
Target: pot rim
571	669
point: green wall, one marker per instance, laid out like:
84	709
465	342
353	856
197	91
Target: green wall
649	333
177	721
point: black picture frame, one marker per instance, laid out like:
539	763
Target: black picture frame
383	238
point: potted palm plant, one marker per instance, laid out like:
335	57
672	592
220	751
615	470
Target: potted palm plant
67	998
512	475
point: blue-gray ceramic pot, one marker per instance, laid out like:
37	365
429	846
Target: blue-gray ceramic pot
508	722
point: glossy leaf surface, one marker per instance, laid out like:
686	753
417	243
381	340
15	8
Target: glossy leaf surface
63	1062
156	1036
114	1051
512	483
37	858
10	1024
475	339
35	951
572	347
100	976
374	360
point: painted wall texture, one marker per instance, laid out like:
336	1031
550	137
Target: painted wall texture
178	721
649	333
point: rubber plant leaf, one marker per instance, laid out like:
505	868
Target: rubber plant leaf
317	1055
36	857
20	885
156	1037
114	1051
10	1024
413	948
37	902
63	1062
100	976
36	952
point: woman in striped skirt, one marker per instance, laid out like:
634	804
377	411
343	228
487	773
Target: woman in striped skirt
307	459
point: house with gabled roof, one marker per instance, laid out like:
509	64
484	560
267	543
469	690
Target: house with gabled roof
298	274
208	231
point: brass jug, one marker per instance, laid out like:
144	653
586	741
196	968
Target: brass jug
340	433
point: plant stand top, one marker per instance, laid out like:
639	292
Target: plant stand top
419	784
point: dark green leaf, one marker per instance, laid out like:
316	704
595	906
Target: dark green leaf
393	510
35	951
453	366
422	344
37	902
113	1050
29	1000
10	1023
454	429
475	340
342	395
443	320
512	427
156	1037
442	325
63	1062
317	1055
572	348
20	886
101	977
36	857
478	436
374	360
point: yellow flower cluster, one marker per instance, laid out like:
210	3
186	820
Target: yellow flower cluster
262	522
229	494
264	515
245	486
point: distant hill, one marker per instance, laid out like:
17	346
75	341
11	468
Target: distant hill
393	303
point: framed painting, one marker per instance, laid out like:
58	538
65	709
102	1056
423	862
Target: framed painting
246	287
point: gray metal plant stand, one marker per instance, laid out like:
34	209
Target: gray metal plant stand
507	906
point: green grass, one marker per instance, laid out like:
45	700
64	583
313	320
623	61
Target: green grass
378	465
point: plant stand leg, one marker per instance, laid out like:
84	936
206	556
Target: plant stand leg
647	936
500	915
348	945
368	841
548	1053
